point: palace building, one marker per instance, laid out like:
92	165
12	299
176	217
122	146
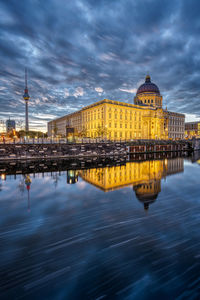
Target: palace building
115	120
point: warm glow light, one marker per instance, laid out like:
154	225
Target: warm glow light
3	176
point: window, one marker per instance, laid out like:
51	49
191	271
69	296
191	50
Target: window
110	115
115	125
120	125
109	124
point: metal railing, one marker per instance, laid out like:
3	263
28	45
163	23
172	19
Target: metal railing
80	141
58	141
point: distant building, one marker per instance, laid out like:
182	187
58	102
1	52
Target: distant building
176	125
10	125
192	129
114	120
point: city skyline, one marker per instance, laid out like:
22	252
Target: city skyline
81	52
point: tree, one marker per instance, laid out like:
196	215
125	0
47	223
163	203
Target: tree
101	131
84	132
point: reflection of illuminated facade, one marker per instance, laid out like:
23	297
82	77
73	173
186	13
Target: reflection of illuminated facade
144	176
133	173
114	120
72	176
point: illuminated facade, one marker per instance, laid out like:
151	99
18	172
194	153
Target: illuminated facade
192	129
114	120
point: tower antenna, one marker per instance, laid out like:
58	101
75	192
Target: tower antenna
26	99
26	85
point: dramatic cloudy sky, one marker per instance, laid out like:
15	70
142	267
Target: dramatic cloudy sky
81	51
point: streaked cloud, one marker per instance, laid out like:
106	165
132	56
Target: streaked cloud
82	50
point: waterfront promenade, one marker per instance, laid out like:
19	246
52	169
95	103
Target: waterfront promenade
53	148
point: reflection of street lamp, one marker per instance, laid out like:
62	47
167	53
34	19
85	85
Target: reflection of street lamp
28	186
3	176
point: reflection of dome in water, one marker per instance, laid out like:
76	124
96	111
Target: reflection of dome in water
147	193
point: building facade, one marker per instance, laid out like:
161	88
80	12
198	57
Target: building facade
114	120
176	125
192	129
10	125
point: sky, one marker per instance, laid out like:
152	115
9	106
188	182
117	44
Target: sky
81	51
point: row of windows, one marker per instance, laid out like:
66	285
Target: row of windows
181	129
148	101
176	122
91	118
122	110
125	125
116	135
121	117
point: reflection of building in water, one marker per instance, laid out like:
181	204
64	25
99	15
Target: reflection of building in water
144	176
72	176
133	173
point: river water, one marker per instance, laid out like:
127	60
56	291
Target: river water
130	231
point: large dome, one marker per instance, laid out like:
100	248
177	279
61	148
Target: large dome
148	87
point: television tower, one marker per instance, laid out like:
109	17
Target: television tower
26	99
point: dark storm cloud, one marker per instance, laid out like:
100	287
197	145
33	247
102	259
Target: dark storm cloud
82	51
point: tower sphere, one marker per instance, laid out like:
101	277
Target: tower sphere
26	95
